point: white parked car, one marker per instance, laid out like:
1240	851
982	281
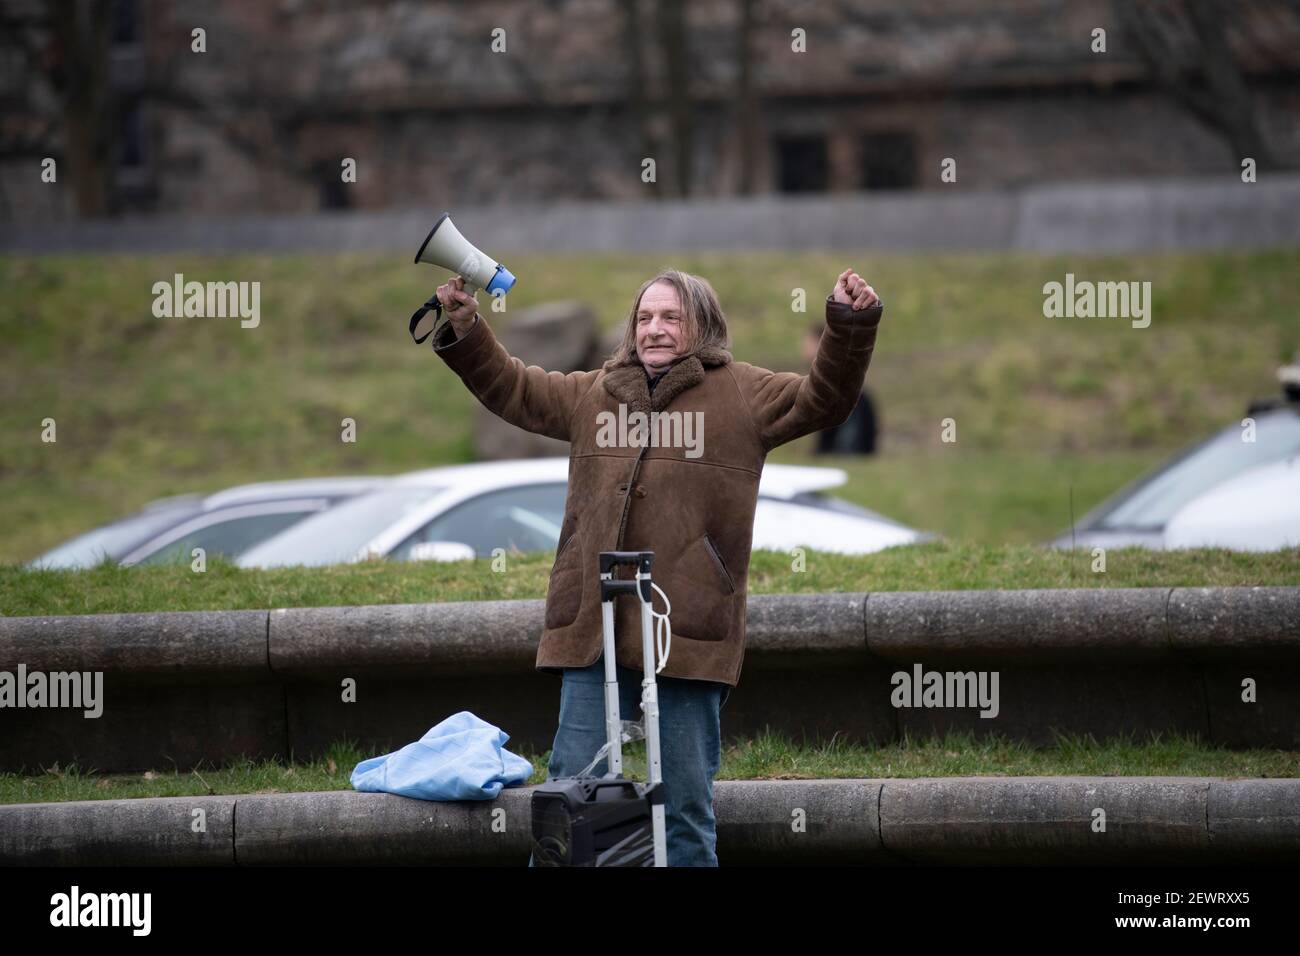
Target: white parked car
463	511
1256	511
227	522
1143	512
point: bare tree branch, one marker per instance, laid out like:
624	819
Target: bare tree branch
746	99
1185	45
674	46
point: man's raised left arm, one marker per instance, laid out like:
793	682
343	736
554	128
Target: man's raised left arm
786	405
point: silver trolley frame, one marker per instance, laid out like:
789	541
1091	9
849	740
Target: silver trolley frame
610	589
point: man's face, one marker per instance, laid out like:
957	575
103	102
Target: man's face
660	336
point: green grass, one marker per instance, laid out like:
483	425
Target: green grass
147	407
940	565
769	756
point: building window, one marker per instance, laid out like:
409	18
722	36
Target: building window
888	161
333	191
126	24
802	165
130	140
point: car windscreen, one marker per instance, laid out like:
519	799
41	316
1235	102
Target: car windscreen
113	540
337	535
230	538
1153	502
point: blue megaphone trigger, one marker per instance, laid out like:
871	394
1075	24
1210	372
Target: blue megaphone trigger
502	281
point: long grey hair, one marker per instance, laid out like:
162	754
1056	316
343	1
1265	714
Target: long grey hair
704	324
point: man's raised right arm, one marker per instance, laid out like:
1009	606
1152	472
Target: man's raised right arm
527	396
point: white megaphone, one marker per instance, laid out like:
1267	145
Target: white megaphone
445	246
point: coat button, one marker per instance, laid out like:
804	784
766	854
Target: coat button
640	491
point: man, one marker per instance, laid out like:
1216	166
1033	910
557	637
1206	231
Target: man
690	502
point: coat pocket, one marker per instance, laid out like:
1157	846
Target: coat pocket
719	563
564	595
700	589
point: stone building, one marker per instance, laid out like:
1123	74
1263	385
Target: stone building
537	100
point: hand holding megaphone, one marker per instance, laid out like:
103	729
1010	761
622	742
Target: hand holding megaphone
458	305
445	246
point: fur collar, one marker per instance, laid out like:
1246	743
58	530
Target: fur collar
628	382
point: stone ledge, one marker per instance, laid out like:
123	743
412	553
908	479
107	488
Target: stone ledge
482	636
1012	820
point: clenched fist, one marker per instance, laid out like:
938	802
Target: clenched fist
459	306
852	290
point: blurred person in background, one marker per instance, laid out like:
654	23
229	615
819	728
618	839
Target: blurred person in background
857	436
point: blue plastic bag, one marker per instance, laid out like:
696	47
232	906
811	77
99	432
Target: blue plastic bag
460	759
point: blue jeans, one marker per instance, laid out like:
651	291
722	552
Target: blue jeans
690	747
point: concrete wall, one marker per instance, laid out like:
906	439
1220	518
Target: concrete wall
183	688
952	820
1214	213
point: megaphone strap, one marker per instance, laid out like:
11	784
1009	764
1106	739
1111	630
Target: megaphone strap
420	313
